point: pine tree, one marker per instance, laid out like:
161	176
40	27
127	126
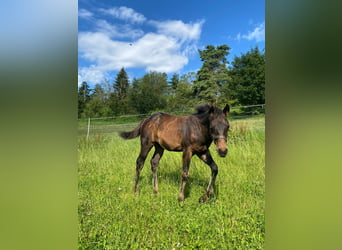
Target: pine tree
213	73
121	84
174	81
119	99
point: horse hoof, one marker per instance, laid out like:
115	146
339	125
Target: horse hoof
203	198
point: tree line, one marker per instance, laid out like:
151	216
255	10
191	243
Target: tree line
217	82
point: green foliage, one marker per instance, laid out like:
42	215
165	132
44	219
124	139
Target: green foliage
121	84
212	75
248	77
181	98
174	81
111	216
149	93
119	100
98	104
216	84
83	97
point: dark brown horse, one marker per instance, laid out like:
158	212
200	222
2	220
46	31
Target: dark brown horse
191	135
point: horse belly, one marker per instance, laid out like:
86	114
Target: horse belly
170	140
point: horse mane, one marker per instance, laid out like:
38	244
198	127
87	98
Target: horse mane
204	110
201	109
202	113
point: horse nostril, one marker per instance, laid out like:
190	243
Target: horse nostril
223	152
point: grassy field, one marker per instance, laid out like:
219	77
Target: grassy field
111	216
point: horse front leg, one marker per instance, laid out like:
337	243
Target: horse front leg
206	157
187	154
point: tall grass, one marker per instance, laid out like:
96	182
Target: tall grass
111	216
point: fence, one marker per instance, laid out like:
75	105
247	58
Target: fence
114	124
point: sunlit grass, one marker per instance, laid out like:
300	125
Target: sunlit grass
111	216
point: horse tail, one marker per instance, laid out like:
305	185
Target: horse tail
131	134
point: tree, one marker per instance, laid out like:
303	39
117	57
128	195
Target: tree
121	84
119	98
181	99
213	73
98	104
134	94
148	93
83	97
174	81
248	77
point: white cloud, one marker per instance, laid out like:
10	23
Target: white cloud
104	27
152	52
90	75
258	34
118	31
84	13
164	50
125	13
179	29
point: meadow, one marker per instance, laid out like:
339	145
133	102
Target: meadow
111	216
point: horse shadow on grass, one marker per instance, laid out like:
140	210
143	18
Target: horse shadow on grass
169	175
195	181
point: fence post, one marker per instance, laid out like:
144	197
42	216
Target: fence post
88	127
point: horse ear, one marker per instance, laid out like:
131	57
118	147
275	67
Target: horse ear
226	110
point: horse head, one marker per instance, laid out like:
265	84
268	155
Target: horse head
218	128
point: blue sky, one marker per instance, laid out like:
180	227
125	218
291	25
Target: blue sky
164	36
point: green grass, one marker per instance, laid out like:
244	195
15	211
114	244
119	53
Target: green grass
111	216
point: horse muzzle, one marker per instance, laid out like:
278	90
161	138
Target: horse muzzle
221	145
222	152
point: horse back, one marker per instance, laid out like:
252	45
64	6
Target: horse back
173	132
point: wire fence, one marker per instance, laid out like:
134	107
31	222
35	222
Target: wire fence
110	125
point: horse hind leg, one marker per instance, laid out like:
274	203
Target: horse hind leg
158	153
145	149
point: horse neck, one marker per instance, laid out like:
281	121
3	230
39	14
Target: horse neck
204	121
